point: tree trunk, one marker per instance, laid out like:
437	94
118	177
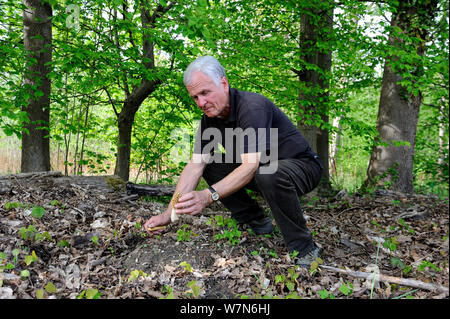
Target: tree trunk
315	27
125	124
37	29
335	145
307	76
134	99
324	63
391	161
391	165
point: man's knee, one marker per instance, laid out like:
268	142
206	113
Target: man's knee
273	180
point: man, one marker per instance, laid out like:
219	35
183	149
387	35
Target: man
273	158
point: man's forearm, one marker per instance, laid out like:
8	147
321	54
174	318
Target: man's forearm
189	178
234	181
239	177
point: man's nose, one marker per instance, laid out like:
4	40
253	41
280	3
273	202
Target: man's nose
201	101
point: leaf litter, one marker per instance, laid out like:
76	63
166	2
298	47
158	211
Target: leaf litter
84	241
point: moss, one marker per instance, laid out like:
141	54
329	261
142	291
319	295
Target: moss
115	183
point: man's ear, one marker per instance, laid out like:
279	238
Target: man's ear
224	82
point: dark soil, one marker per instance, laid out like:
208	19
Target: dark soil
90	240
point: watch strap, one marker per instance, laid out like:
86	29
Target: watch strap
212	190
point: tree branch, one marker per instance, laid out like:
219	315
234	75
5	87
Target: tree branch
390	279
111	101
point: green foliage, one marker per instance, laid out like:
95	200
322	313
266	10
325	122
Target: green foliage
90	293
195	289
97	62
325	294
228	229
186	266
135	274
390	243
184	233
31	258
346	289
9	206
169	291
28	233
38	212
427	264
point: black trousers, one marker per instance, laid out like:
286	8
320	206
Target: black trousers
281	189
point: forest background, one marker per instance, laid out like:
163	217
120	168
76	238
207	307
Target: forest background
95	87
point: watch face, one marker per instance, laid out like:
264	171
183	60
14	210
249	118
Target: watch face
215	196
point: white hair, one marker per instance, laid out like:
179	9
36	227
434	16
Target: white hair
207	65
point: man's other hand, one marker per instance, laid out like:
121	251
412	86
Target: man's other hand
193	203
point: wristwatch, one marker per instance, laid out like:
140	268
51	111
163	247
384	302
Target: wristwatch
214	195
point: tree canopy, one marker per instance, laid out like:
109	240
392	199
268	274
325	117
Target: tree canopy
117	95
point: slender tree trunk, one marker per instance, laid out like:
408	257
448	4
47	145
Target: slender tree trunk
443	144
334	145
80	113
86	117
391	161
37	29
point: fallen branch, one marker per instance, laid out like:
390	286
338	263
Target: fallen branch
32	175
148	190
390	279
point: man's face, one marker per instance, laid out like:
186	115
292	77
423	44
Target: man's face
213	100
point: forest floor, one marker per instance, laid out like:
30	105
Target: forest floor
63	237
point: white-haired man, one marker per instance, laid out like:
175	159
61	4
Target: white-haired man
269	139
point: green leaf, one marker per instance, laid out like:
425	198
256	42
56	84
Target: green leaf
25	273
92	293
40	293
37	212
134	274
323	294
28	260
345	289
50	287
63	243
186	266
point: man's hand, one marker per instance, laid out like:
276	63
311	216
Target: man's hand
158	220
193	203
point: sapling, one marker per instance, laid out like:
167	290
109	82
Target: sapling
37	212
346	289
89	293
31	258
184	233
135	274
186	266
195	289
324	294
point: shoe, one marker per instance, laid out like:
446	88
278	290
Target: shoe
309	258
261	226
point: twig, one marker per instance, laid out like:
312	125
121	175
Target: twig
390	279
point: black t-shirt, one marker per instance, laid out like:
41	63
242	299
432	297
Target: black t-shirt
254	124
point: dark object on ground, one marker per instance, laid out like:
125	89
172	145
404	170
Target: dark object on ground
149	190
